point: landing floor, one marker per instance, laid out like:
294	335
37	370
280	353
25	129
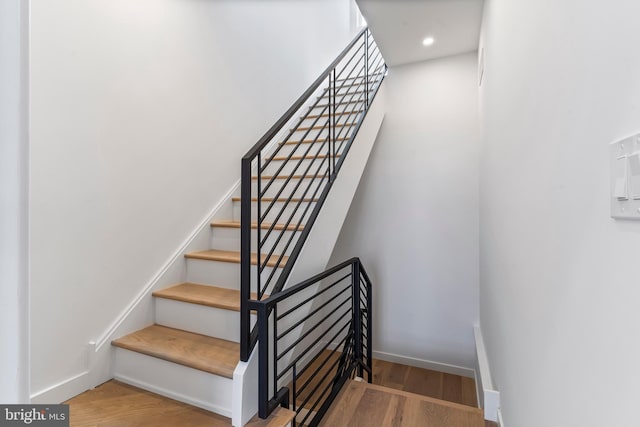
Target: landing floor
118	404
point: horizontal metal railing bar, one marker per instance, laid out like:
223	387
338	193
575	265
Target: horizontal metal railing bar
297	206
278	148
269	177
305	141
362	70
319	368
304	353
313	328
304	195
277	200
321	351
284	185
338	103
327	115
311	411
292	153
300	101
344	93
317	128
360	58
304	402
284	250
299	322
286	293
361	77
355	132
297	306
298	157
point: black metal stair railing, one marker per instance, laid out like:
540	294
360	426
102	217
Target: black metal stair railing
287	175
313	337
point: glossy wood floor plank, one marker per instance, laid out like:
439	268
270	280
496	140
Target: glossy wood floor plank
361	404
117	404
439	385
114	404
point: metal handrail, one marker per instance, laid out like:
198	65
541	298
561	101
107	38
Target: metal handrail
351	83
312	377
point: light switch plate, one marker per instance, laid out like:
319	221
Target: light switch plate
625	182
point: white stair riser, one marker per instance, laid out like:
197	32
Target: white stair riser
274	212
200	319
229	239
222	274
181	383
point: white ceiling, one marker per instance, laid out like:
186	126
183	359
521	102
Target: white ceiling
399	26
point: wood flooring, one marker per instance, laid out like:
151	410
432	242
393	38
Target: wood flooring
360	404
439	385
118	404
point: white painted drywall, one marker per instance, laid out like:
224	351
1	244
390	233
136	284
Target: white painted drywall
140	113
559	278
414	220
14	146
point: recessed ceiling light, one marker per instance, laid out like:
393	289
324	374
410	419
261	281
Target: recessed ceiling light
428	41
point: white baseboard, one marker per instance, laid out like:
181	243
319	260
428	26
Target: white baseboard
500	422
62	391
489	397
418	363
425	364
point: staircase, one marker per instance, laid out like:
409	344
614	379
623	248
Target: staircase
191	351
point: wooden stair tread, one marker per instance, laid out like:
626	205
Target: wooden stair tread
208	295
254	225
196	351
280	417
371	404
271	199
234	256
285	158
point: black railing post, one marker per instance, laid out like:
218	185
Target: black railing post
263	361
369	331
366	69
333	123
245	260
357	315
330	136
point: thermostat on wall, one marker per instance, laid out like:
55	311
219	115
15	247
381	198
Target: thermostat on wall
624	157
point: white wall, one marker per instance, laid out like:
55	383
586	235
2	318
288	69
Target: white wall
559	278
414	220
140	113
14	320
